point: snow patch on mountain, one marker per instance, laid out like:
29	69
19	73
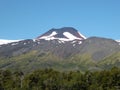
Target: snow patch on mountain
67	37
3	41
53	34
54	38
13	44
82	35
118	41
49	37
70	36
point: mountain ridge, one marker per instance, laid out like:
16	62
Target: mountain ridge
72	54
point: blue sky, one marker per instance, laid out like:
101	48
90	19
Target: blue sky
22	19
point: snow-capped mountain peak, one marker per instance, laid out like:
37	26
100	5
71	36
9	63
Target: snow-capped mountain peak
63	34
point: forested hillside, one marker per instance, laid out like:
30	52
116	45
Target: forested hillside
49	79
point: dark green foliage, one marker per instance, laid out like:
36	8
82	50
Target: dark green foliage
49	79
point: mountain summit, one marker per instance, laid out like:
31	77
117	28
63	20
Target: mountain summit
63	34
62	49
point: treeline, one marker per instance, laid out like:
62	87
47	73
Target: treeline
49	79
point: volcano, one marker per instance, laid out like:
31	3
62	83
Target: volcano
63	49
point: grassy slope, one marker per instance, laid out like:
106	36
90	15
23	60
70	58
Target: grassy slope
35	60
111	61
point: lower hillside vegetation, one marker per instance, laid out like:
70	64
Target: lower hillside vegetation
33	60
49	79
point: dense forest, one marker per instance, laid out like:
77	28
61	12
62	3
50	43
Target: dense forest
49	79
